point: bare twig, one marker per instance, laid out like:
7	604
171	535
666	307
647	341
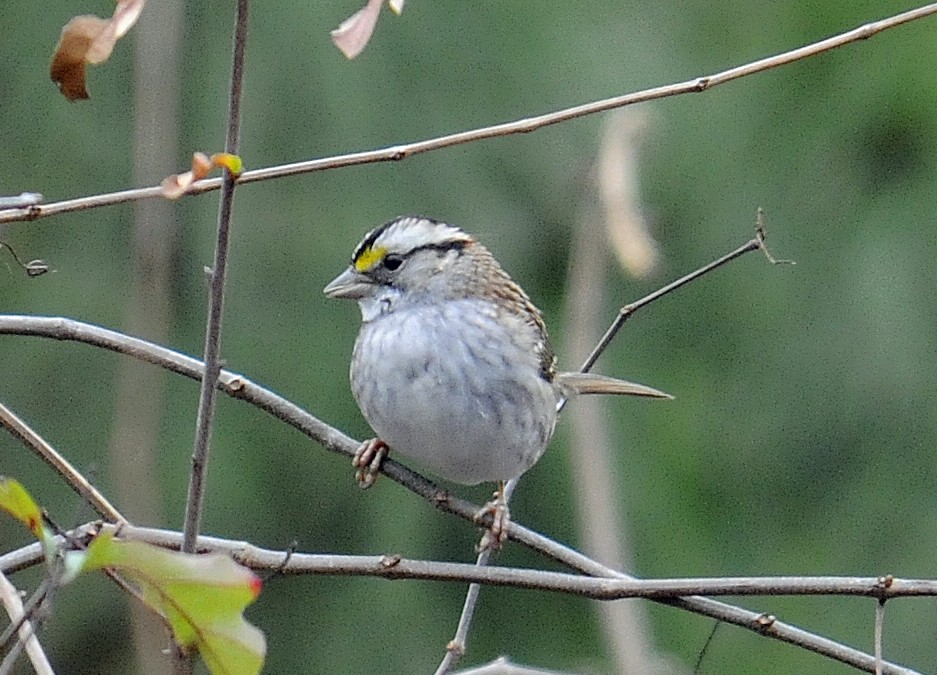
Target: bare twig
183	663
10	599
80	484
21	200
626	312
33	268
455	650
610	587
403	151
879	629
394	567
206	406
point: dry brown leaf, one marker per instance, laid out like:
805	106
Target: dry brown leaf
175	186
352	36
88	40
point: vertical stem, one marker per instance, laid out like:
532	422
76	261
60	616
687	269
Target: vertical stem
183	663
206	406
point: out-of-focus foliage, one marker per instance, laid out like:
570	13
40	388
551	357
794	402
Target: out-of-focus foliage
89	40
802	438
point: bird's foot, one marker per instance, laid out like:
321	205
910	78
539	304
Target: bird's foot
367	461
497	532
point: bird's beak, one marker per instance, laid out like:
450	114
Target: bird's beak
350	284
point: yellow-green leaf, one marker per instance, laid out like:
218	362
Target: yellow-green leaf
15	500
201	596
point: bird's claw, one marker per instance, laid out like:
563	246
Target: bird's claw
497	532
367	461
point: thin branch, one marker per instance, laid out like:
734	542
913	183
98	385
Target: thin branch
626	312
455	650
334	440
395	567
879	630
206	406
33	268
10	599
662	590
21	200
32	440
525	125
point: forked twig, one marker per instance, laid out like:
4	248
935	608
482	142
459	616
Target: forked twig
757	243
456	647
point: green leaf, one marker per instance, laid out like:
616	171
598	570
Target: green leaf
16	500
202	598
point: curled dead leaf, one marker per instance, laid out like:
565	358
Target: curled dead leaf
352	36
176	185
88	40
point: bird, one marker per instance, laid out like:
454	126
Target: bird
452	365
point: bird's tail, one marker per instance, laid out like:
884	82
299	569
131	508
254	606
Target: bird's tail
589	383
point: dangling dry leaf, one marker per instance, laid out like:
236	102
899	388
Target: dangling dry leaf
89	40
175	186
352	36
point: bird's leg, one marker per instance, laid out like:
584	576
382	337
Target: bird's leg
497	532
367	461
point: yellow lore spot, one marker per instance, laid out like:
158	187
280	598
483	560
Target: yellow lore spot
369	257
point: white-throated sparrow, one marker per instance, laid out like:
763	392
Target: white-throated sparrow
453	366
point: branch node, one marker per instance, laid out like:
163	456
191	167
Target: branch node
764	622
236	385
389	561
761	233
883	585
456	647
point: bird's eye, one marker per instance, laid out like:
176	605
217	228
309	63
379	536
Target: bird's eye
392	262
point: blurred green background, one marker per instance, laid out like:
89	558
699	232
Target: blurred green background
802	438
